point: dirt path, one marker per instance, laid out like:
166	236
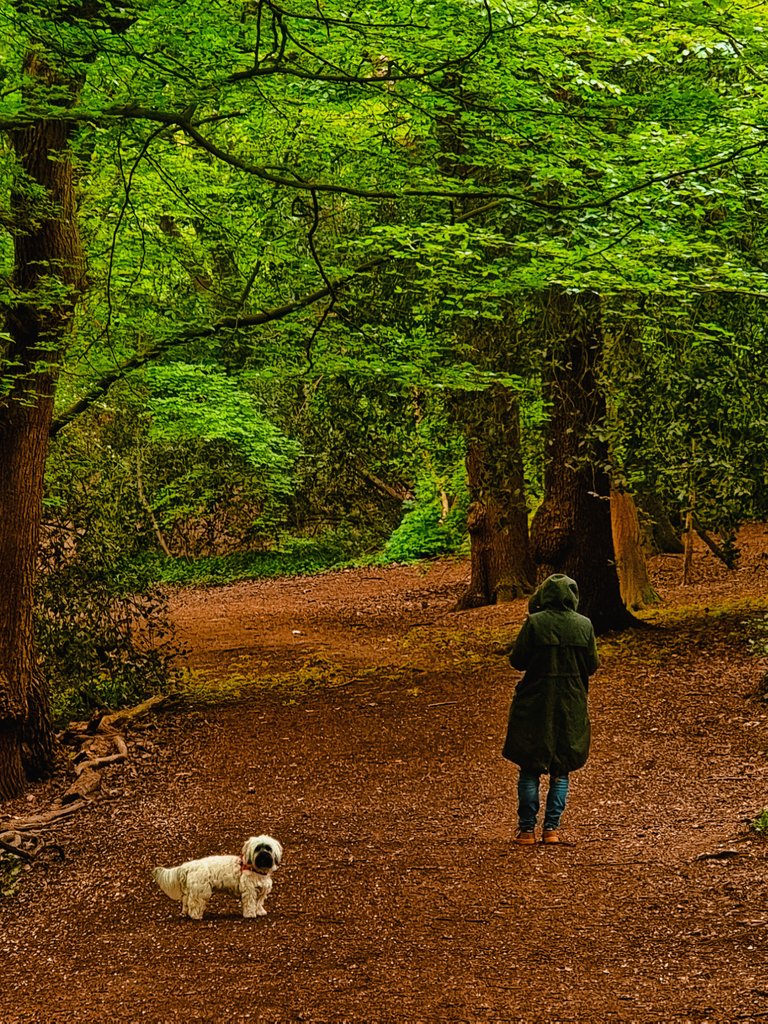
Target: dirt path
375	759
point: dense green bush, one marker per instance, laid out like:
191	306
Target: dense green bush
295	556
102	625
105	639
426	530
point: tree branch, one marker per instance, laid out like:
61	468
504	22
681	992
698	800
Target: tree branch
100	387
182	121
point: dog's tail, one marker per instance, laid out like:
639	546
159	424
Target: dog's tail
168	880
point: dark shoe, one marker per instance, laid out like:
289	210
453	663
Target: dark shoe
525	839
549	835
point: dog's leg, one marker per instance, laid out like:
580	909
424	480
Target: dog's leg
197	900
251	906
252	900
262	894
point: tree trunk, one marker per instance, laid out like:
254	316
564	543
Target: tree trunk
660	536
37	735
47	274
502	566
145	504
23	446
688	555
636	588
571	531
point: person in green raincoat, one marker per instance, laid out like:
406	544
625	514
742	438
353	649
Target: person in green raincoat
548	731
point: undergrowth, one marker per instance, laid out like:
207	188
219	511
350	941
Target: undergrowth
295	557
106	637
11	869
422	535
200	687
759	824
428	529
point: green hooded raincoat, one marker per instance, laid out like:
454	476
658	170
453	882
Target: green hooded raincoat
548	728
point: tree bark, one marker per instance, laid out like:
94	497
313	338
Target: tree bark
571	531
688	555
659	534
636	588
502	565
23	446
47	274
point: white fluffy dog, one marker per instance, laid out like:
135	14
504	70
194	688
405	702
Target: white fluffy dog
248	876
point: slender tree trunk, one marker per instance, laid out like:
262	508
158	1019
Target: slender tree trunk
145	504
636	587
571	531
688	553
47	274
659	534
502	566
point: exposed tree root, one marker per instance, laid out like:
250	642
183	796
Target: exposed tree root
98	745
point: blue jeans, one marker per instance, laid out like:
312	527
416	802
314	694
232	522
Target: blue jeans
528	800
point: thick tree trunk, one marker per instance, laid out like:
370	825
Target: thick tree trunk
47	274
571	531
502	566
23	447
636	588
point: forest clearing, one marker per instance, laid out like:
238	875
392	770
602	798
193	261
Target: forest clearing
366	738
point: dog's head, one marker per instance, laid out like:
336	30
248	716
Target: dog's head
262	853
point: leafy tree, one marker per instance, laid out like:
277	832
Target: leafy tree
571	531
47	275
220	91
213	468
696	437
323	199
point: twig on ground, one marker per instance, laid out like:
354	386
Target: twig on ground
17	851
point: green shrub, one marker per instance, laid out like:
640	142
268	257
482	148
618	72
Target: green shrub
101	648
760	823
426	531
104	632
296	556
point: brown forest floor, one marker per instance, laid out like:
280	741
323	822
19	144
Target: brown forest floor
374	757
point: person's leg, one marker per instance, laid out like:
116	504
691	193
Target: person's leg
556	800
527	800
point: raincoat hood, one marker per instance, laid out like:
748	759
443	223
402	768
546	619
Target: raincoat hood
557	592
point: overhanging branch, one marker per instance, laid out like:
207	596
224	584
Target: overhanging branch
100	387
182	121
